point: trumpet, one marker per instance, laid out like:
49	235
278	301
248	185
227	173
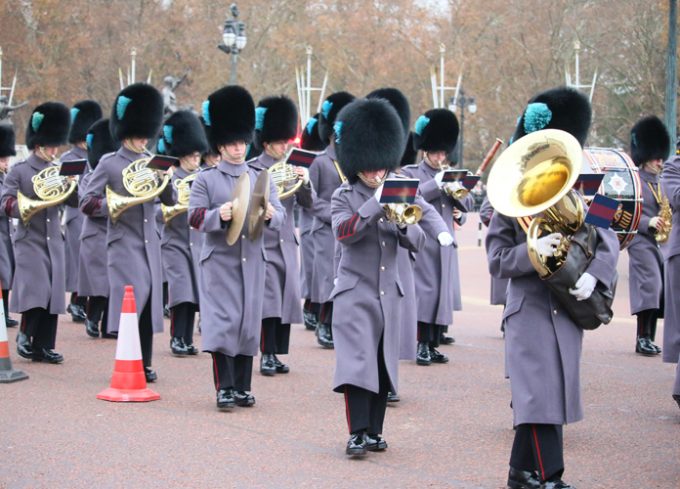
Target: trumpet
50	187
183	187
143	184
403	214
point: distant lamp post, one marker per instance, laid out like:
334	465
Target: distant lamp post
233	39
464	103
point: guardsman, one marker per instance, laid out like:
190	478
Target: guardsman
133	244
83	115
436	268
39	280
275	126
310	141
542	343
7	150
499	286
326	176
232	276
367	295
182	137
93	273
650	145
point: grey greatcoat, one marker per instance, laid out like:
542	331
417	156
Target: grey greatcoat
232	277
499	286
39	280
282	271
436	270
93	272
180	251
133	246
368	294
6	248
305	221
670	183
73	227
645	264
542	344
325	180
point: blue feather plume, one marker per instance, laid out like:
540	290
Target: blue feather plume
160	146
74	114
121	105
36	120
205	110
421	124
536	116
310	125
259	117
167	133
88	139
326	108
337	128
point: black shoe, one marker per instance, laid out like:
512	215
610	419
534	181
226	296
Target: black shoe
446	340
560	484
523	479
375	443
281	368
423	356
656	347
309	318
24	347
178	348
437	356
11	323
243	399
91	328
643	347
113	335
225	400
356	445
166	311
324	336
191	349
392	397
47	355
267	365
77	313
677	399
150	375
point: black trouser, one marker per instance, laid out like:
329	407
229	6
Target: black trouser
146	333
5	303
275	336
646	323
165	294
429	333
97	307
182	318
78	300
326	313
41	326
365	410
539	447
312	307
232	372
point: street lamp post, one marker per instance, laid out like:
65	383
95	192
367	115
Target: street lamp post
463	102
233	39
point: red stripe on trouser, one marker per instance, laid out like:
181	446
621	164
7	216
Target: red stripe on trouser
217	375
349	425
538	452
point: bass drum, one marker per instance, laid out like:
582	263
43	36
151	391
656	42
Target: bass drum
622	183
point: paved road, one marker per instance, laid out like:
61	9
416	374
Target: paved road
451	429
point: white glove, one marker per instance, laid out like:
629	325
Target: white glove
378	193
584	287
438	178
547	244
445	239
305	177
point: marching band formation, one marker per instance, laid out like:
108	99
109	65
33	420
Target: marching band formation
372	267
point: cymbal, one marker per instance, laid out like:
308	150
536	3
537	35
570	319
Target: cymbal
258	206
239	210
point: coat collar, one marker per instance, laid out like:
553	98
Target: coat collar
264	161
129	155
427	168
330	151
233	170
36	162
79	153
648	177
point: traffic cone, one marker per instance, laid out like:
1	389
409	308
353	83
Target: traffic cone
7	373
128	383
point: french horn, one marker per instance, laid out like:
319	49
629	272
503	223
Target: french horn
183	187
284	177
50	187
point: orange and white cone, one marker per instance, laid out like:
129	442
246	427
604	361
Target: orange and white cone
128	383
7	373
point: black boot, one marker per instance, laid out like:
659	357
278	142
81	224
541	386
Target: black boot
281	368
11	323
676	397
356	445
310	320
375	443
324	336
92	328
24	346
393	397
558	484
423	355
437	357
643	345
523	479
150	375
652	332
446	340
77	313
225	399
178	348
267	365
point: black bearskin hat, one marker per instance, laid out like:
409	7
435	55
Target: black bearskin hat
410	153
436	130
649	140
182	134
99	142
83	115
48	125
329	111
276	119
137	112
397	100
368	137
7	141
230	115
558	108
310	139
206	130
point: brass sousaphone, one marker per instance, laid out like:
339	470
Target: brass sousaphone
534	178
